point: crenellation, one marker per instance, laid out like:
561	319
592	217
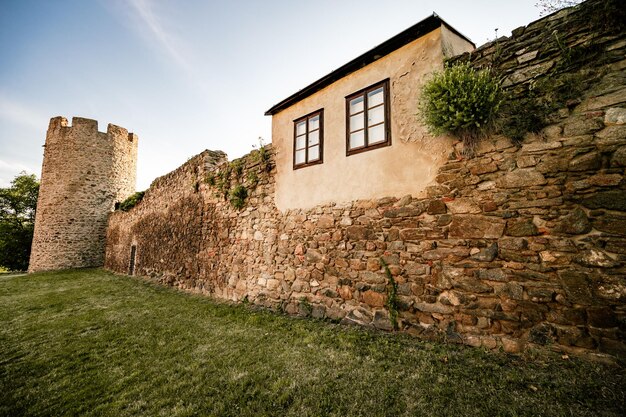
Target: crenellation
57	122
84	123
114	130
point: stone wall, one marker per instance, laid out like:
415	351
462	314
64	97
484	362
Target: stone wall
523	244
169	223
84	173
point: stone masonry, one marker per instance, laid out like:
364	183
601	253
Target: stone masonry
84	173
523	244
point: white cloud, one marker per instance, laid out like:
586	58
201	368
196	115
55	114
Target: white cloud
154	28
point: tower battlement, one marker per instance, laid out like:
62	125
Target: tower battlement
89	128
84	173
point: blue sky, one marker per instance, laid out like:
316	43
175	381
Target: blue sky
191	75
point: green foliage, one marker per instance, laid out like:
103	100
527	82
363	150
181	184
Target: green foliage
17	221
253	178
223	181
262	156
522	115
461	101
530	112
238	196
392	296
131	201
210	179
237	167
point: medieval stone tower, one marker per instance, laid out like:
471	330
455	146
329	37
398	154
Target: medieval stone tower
84	173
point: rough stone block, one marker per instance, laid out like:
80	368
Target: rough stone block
373	298
612	200
437	207
434	308
607	100
540	147
487	254
619	157
611	135
596	258
476	227
615	116
372	277
524	227
412	234
493	274
582	126
358	316
611	224
602	317
574	223
472	285
480	169
382	320
402	212
463	206
526	177
325	222
576	285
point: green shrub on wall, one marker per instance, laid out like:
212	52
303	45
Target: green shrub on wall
461	101
131	201
238	196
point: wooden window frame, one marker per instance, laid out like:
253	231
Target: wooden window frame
387	120
306	118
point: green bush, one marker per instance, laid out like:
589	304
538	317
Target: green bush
131	201
238	196
461	101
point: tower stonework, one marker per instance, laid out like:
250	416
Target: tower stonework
84	173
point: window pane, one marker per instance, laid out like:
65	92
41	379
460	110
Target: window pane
300	157
300	143
375	97
376	134
356	122
314	138
314	122
314	153
356	105
357	139
301	128
376	115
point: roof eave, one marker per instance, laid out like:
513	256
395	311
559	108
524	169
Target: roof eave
416	31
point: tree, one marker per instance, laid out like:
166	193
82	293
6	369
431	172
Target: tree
550	6
17	221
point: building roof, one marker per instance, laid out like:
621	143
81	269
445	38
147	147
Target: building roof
409	35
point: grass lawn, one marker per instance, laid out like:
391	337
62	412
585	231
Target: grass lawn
91	343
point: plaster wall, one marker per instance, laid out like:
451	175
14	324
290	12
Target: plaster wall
405	167
452	44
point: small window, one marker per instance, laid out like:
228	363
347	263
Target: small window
308	142
367	119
